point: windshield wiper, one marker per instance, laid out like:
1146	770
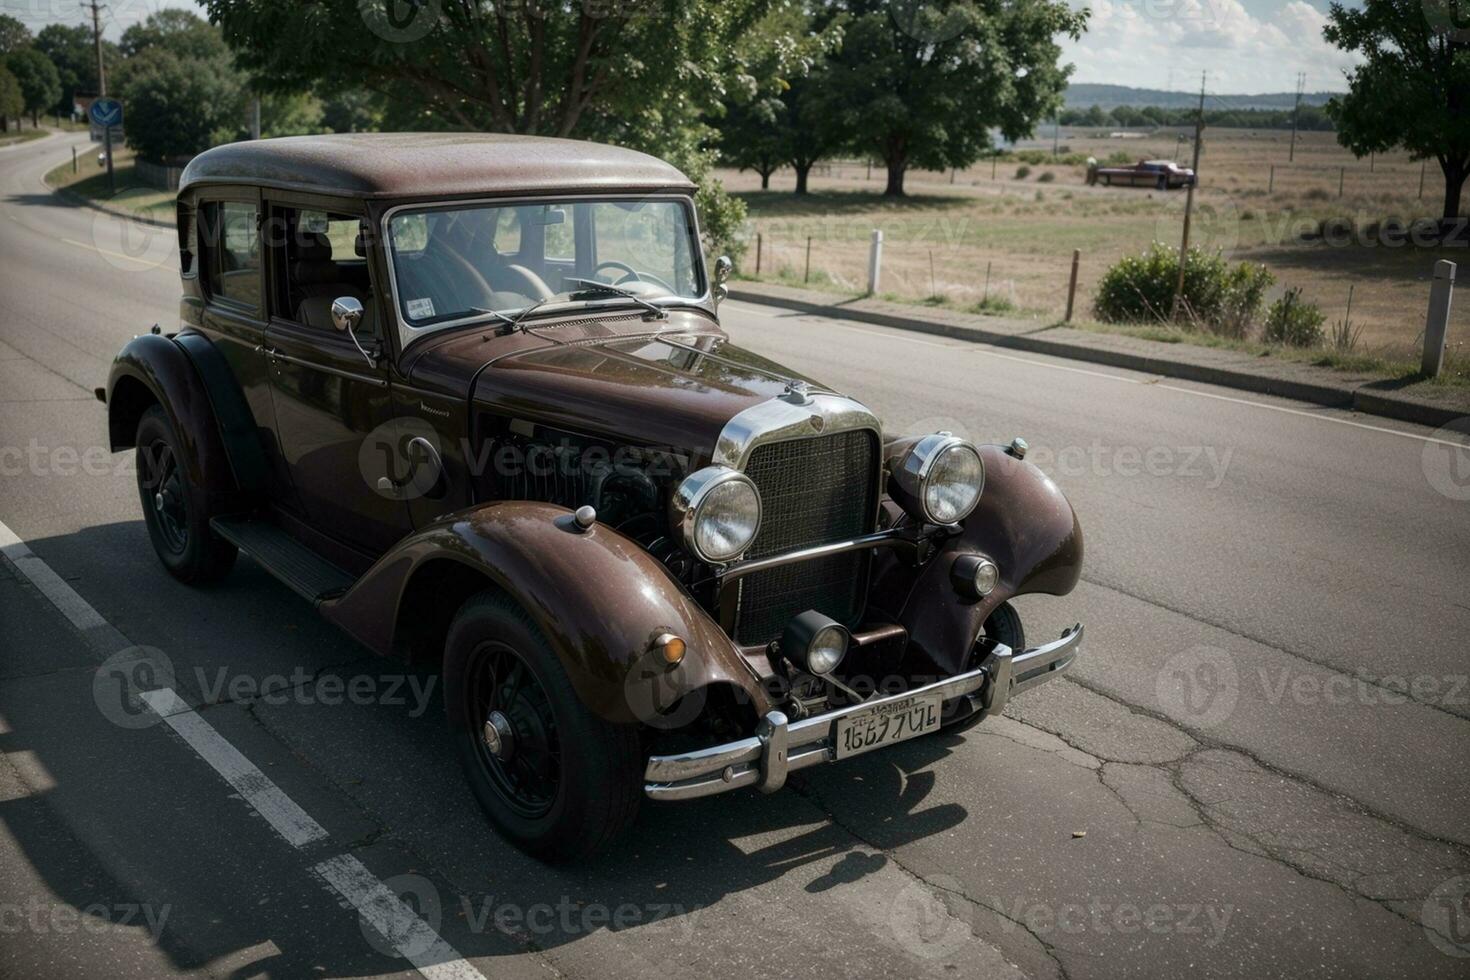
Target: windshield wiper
594	285
495	313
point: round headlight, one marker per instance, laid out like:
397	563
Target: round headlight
717	513
939	479
826	650
814	643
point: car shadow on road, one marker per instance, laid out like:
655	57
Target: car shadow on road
127	818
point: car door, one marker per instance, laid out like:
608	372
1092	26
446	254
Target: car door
333	402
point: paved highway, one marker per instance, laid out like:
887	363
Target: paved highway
1258	769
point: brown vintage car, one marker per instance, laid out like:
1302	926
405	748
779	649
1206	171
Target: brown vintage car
469	396
1159	174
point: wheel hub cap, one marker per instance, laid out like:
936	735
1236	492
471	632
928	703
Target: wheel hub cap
499	736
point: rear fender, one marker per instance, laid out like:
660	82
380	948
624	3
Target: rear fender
598	597
1025	525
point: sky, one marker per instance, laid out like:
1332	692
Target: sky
1246	46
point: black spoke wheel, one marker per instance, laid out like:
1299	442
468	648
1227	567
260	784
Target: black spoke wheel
518	750
174	510
1003	625
558	781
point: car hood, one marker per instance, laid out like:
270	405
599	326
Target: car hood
670	390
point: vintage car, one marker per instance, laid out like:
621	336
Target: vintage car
1160	174
470	397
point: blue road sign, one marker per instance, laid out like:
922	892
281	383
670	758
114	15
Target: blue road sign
106	112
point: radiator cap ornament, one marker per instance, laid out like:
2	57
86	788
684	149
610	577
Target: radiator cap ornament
797	393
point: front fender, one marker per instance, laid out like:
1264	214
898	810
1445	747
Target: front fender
598	597
1025	525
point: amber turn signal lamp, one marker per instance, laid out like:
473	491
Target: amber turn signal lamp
671	648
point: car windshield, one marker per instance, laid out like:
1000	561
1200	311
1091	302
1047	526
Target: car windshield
459	263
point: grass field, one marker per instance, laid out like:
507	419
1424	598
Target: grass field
953	228
90	181
12	137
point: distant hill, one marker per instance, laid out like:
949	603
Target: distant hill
1084	95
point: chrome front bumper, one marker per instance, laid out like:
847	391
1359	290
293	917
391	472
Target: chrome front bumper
780	747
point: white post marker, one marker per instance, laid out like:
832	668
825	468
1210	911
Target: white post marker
875	263
1437	325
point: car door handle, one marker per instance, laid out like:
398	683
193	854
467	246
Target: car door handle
269	352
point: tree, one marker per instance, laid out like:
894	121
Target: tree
750	136
12	102
14	35
185	34
1413	89
922	82
355	111
40	86
178	107
640	72
72	52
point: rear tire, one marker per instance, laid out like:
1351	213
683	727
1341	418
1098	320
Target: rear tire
176	512
1004	626
556	780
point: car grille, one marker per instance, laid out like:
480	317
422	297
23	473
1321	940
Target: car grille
813	491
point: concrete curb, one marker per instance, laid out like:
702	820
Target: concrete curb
87	202
1318	386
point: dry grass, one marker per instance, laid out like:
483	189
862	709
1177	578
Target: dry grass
90	181
1025	232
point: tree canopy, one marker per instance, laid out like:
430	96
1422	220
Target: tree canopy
1413	89
40	86
71	50
14	35
179	83
923	83
12	103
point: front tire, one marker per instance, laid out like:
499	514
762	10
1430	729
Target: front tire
556	780
176	512
1004	626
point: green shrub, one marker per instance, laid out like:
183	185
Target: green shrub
1046	178
1119	158
1217	296
1294	323
1022	172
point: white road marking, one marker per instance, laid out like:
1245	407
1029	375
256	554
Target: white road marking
76	609
895	333
414	940
374	901
254	787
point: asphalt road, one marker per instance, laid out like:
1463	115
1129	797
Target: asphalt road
1258	769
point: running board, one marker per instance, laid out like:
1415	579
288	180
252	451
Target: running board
302	570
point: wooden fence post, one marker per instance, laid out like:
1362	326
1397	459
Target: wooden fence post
1072	286
759	241
808	276
1271	181
875	262
1341	177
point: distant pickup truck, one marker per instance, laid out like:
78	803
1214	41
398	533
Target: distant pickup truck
1161	174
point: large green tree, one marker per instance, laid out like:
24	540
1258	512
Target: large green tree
12	103
921	83
1413	88
72	51
40	86
14	35
182	90
642	73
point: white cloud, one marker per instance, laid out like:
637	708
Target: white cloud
1167	43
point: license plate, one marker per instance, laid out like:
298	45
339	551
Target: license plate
885	724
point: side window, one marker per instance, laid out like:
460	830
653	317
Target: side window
232	252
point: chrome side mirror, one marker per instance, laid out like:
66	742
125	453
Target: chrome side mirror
723	268
346	313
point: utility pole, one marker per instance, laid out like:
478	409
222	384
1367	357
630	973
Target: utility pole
1301	86
255	118
102	89
1199	126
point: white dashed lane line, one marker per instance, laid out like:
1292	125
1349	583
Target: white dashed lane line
374	901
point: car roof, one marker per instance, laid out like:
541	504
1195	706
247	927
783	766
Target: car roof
420	165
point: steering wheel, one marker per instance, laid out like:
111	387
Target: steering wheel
632	273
